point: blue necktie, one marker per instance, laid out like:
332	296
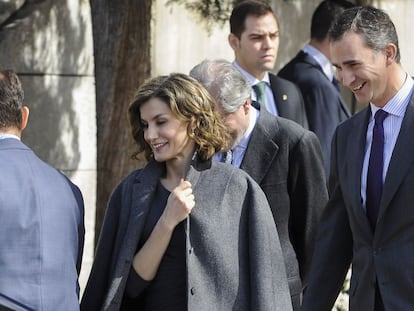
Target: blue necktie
375	169
260	90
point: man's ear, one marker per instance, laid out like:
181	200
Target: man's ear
233	41
390	53
246	106
25	117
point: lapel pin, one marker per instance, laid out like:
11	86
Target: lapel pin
284	97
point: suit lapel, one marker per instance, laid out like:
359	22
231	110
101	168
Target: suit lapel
280	96
260	151
143	189
402	158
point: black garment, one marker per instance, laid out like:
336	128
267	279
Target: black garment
168	289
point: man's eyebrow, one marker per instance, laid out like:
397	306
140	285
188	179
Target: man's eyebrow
348	62
257	34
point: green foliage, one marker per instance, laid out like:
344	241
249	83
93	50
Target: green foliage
212	13
209	12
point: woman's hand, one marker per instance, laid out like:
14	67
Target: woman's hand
179	205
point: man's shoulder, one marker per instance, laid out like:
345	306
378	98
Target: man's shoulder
287	91
301	69
300	59
282	129
280	83
354	120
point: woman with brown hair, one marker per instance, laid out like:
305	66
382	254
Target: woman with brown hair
185	233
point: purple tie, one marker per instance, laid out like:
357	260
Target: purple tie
375	169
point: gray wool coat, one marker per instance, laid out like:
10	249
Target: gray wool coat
234	257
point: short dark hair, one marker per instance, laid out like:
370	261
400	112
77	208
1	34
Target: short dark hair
324	16
11	99
244	9
374	25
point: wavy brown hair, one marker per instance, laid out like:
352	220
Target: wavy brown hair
189	102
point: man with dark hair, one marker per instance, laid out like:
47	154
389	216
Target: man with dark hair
369	220
254	38
41	218
312	71
282	157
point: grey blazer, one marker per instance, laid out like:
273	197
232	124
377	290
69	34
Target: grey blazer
286	161
345	235
234	259
41	232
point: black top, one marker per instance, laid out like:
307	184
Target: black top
167	291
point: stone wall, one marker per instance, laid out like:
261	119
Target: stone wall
49	44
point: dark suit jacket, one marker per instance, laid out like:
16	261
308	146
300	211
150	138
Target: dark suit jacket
325	107
234	260
286	161
41	232
289	100
345	235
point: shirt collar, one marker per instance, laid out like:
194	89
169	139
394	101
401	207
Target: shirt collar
253	115
4	136
321	59
398	103
253	80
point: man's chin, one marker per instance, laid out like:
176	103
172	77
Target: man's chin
268	66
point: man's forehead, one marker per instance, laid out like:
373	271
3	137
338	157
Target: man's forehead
349	45
349	38
258	22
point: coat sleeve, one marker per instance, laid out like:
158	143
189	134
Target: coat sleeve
309	195
81	226
333	249
269	286
98	281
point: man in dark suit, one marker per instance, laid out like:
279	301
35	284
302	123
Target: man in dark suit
369	219
41	218
254	37
312	71
282	157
